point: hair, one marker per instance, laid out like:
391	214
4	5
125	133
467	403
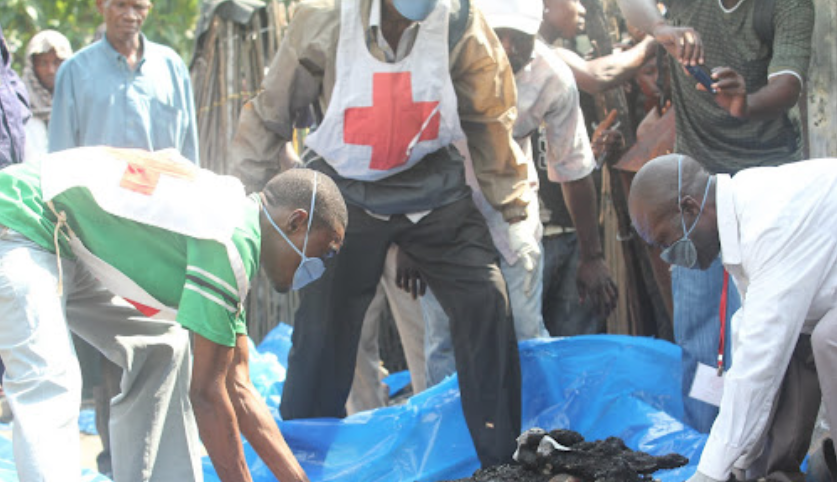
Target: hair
655	185
293	188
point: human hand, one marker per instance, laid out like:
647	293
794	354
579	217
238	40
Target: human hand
606	145
730	91
683	43
522	241
407	275
594	281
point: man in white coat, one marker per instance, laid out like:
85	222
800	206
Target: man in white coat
775	230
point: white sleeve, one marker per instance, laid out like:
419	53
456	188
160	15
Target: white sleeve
785	274
569	157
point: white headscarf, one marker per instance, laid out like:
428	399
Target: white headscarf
39	97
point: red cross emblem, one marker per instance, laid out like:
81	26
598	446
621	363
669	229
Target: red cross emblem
145	168
392	122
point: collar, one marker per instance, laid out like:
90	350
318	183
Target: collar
727	220
729	10
119	58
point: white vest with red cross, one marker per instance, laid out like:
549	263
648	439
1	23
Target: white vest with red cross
385	117
160	189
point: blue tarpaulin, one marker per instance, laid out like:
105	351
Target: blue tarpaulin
600	386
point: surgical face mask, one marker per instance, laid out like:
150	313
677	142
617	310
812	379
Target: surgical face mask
415	10
683	251
310	269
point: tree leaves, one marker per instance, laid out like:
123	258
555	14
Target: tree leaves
170	22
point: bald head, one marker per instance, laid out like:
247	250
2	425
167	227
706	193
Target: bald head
659	209
654	190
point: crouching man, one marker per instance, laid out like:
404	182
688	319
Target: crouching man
180	244
776	230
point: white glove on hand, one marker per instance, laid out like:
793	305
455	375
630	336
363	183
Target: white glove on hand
699	477
523	242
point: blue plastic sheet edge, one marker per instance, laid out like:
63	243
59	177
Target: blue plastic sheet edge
600	386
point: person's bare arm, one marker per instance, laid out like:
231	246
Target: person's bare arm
603	73
214	413
771	101
256	422
593	277
683	43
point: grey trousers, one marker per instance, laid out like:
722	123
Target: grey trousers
153	430
368	391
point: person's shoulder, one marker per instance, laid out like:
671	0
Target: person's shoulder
161	51
312	10
86	56
554	67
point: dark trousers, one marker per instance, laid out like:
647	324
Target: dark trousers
792	419
455	254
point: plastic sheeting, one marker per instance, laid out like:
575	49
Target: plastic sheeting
599	386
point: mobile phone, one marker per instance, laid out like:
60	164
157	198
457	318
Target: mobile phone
703	75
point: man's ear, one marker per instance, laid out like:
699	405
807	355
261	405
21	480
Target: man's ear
690	206
100	6
298	219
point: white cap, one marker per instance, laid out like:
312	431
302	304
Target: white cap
523	15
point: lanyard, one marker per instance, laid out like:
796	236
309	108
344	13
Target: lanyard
722	315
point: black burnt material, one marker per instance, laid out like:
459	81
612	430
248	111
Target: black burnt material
544	455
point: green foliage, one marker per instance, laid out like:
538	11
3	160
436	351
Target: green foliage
171	22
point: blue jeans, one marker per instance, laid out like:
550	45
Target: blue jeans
697	298
563	314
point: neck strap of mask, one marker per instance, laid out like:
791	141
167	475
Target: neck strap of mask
680	193
310	219
310	216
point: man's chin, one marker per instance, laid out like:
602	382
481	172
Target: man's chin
282	288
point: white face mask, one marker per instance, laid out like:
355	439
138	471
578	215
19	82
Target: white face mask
310	269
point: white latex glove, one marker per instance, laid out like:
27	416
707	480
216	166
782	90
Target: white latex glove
523	242
699	477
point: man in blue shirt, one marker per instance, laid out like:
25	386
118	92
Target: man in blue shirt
14	109
124	91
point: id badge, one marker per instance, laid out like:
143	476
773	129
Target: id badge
707	386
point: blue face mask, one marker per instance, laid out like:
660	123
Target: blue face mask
415	10
683	251
310	269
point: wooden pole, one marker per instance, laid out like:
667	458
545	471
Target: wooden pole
822	82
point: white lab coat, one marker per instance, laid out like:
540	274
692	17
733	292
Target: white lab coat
778	233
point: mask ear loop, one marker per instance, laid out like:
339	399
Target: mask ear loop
310	217
686	232
278	230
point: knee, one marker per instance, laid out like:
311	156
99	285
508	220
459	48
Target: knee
173	346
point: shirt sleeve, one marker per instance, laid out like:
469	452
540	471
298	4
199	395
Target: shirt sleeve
189	149
569	157
788	273
292	84
487	98
793	27
63	124
210	305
